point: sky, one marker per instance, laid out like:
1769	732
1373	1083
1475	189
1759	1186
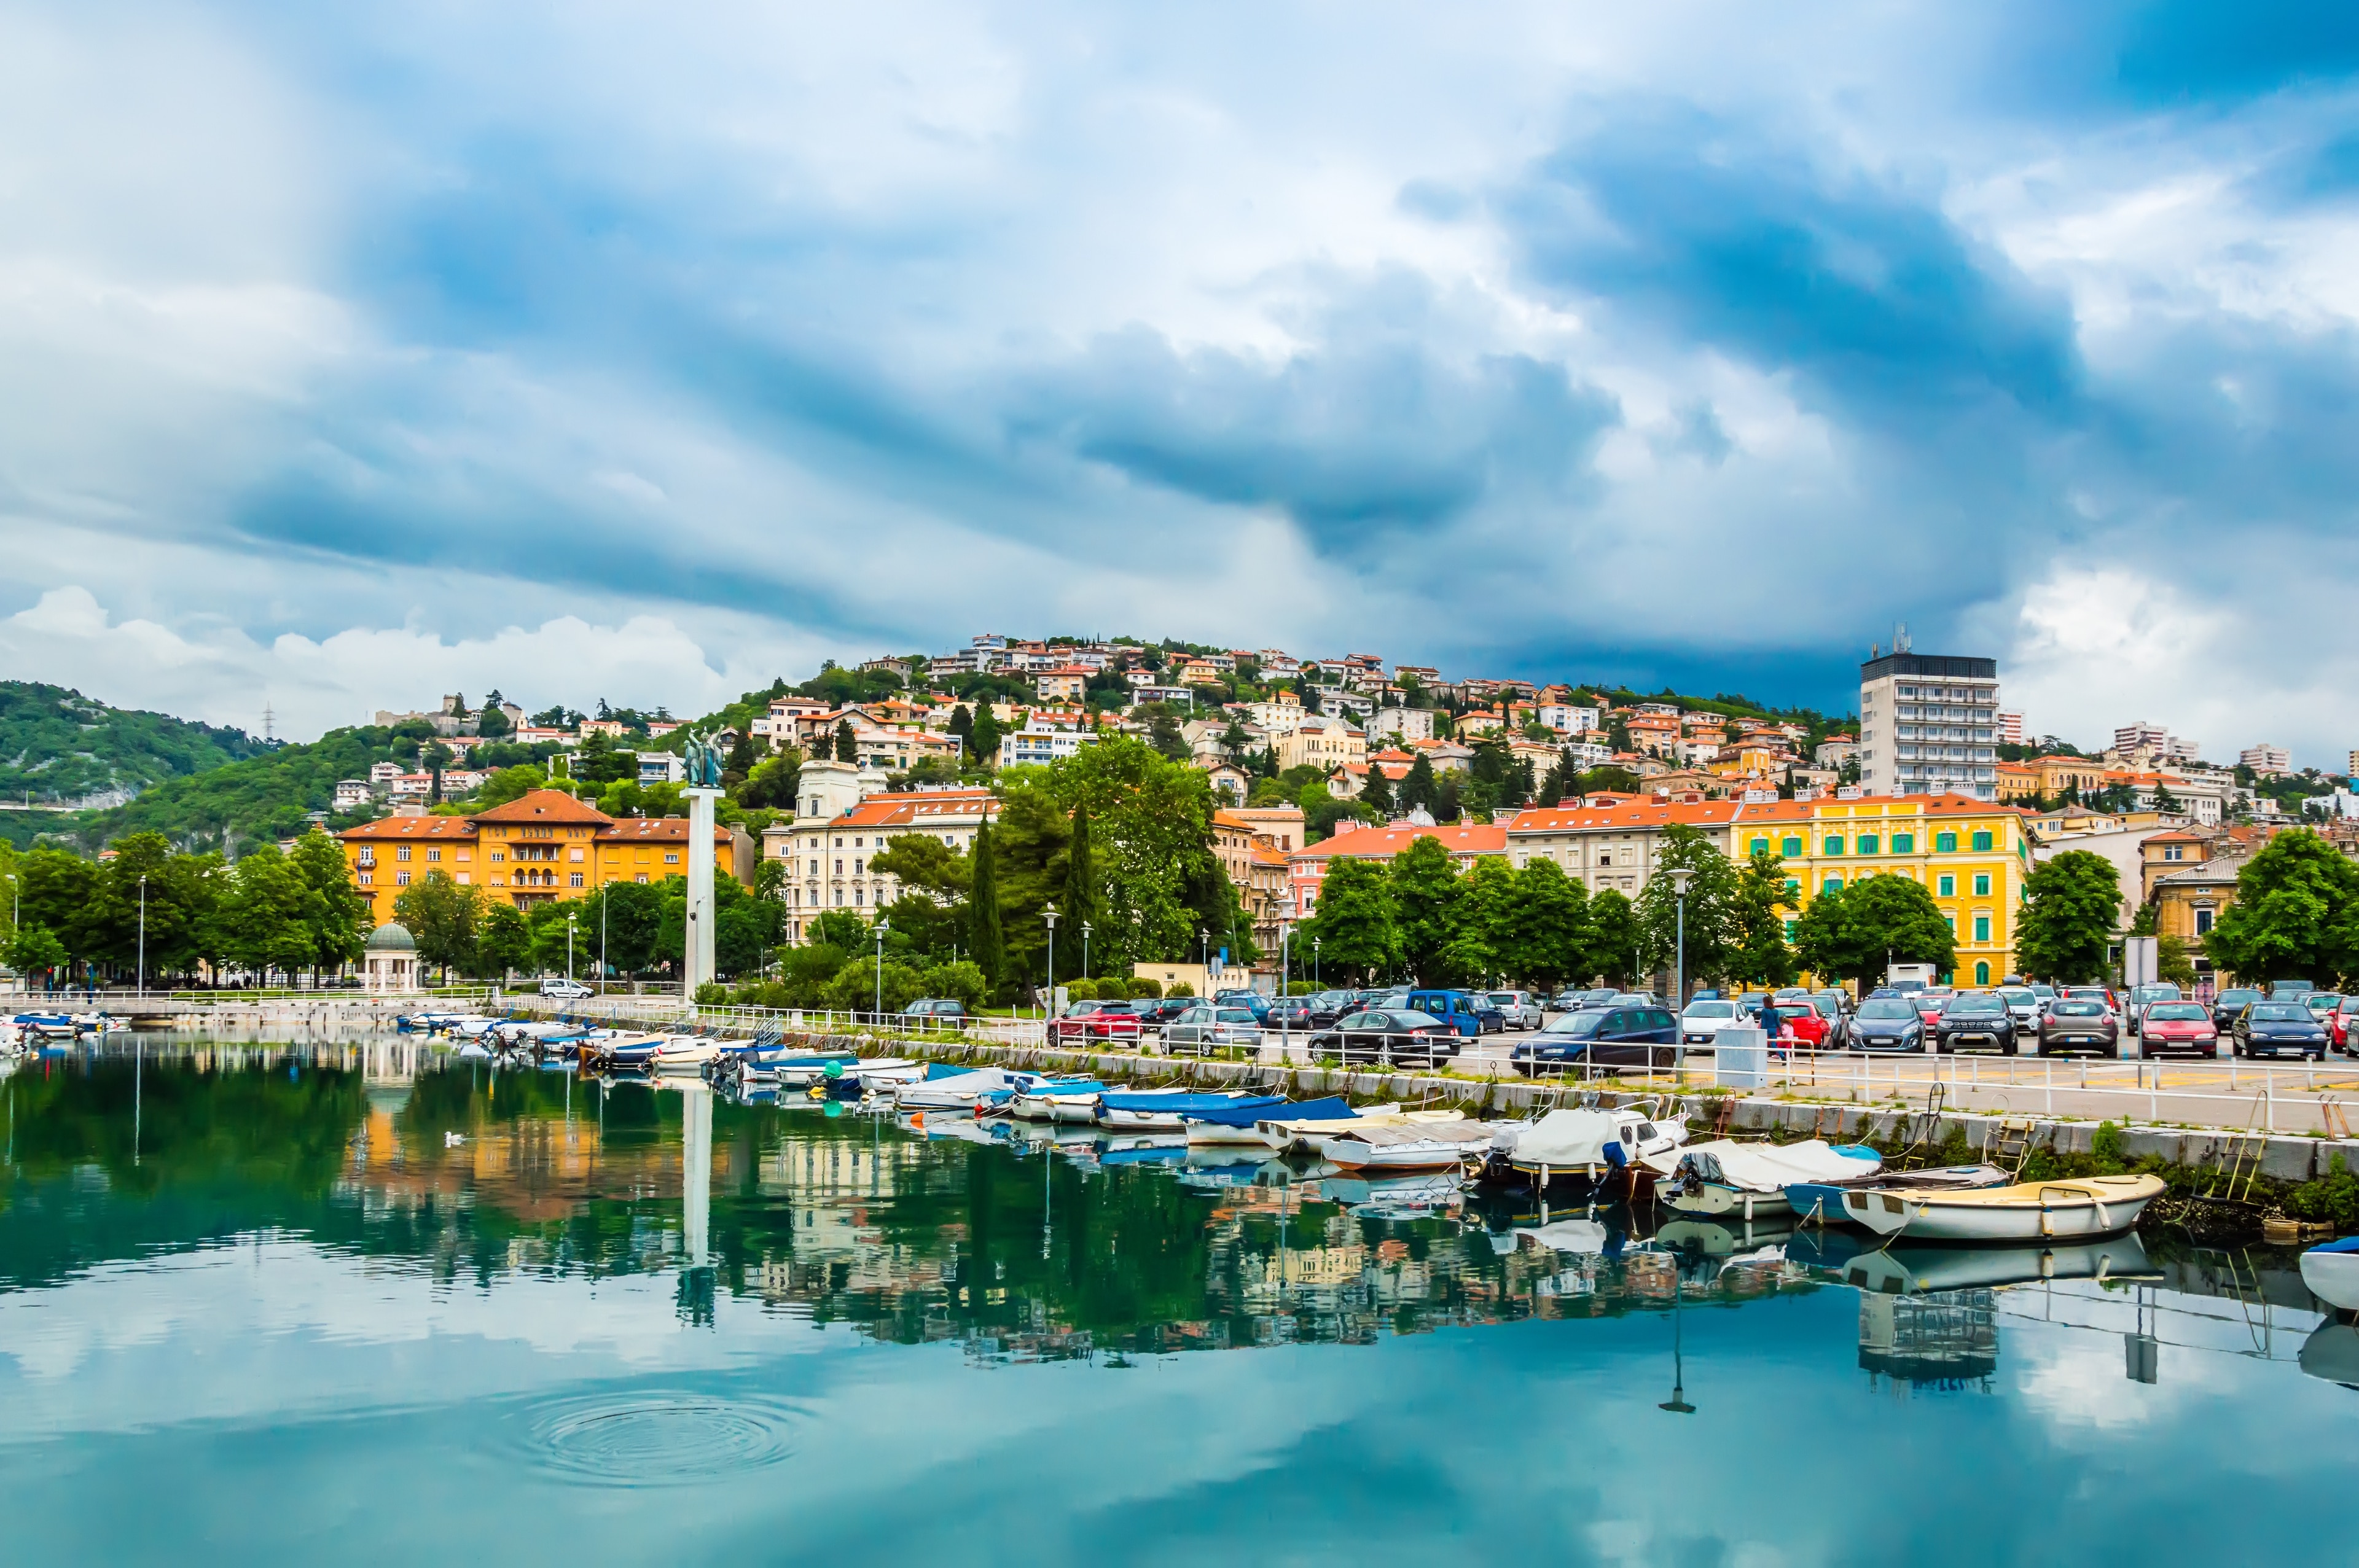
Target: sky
352	356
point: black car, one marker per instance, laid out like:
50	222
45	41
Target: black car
1640	1034
1974	1020
1887	1023
1153	1015
2280	1029
1387	1035
1295	1014
2228	1004
1329	1006
2078	1025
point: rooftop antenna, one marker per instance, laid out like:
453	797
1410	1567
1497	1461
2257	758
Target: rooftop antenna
1900	643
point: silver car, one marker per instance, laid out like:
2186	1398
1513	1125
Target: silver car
2024	1003
1204	1028
1522	1008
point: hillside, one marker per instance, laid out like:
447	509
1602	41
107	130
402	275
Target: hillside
264	795
59	747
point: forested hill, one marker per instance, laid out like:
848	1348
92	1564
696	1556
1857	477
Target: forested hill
59	747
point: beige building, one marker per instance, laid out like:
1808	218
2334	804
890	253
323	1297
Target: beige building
829	849
1321	742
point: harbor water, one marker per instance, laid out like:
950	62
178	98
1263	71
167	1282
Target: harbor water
262	1303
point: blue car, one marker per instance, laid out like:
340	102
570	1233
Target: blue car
1632	1035
2280	1029
1461	1011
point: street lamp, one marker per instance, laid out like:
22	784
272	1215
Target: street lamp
1315	980
1680	876
1085	949
1048	914
572	918
882	926
143	936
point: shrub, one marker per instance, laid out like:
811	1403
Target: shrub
712	994
2106	1148
1081	991
1301	988
1181	987
1144	989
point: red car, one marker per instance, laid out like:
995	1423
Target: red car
2338	1025
1805	1023
1087	1021
2168	1026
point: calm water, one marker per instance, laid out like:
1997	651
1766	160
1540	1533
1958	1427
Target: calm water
257	1305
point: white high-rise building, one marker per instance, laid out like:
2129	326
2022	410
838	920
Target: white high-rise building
2010	729
1928	725
2266	759
2156	741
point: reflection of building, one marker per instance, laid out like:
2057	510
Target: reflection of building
1943	1340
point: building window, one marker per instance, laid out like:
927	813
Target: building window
2202	920
1983	840
1790	929
1982	974
1981	884
1946	886
1982	928
1760	847
401	851
364	878
672	860
1791	849
1867	843
641	878
576	879
839	897
2171	851
1834	846
1793	888
1951	922
1904	843
1945	843
1833	884
401	878
433	854
577	857
839	868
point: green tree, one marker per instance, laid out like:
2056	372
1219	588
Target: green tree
510	783
1760	955
1710	918
2172	962
35	950
984	943
2296	914
1353	925
1377	795
1614	937
847	745
1549	940
1163	734
61	890
504	942
263	916
1482	938
1425	899
984	743
1081	900
2071	908
440	916
774	783
1855	932
337	915
741	763
1417	786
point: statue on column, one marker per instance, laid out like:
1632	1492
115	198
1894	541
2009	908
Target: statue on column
704	761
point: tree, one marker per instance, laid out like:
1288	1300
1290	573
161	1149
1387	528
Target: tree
35	950
1377	795
1164	735
1760	955
1614	937
492	723
2172	962
847	745
337	915
1353	925
741	763
985	943
775	783
510	783
1082	901
2296	914
1417	786
2071	907
262	917
983	745
1425	895
1233	740
1855	932
1549	939
1617	733
504	941
440	916
1711	905
1482	941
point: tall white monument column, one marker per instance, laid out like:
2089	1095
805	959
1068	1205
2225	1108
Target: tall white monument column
700	888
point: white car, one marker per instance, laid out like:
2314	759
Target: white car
2024	1003
1700	1024
1522	1008
565	989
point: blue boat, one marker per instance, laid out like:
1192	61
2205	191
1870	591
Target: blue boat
1165	1111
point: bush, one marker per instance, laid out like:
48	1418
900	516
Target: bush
1181	987
1301	988
962	981
1144	989
1081	991
2106	1148
712	994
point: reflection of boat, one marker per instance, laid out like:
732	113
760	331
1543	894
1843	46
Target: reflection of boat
1906	1269
1582	1236
1143	1148
1821	1202
965	1091
1283	1133
1394	1197
1725	1236
1586	1142
1417	1146
2332	1352
1750	1179
2332	1272
2028	1211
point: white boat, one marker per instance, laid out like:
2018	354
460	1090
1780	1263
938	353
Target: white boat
1283	1133
1168	1110
2332	1272
2028	1211
1591	1143
962	1091
886	1074
1050	1103
801	1072
1726	1177
1422	1146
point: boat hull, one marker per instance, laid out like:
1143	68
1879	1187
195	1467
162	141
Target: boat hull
2333	1277
2030	1212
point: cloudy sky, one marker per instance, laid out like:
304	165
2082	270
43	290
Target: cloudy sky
352	355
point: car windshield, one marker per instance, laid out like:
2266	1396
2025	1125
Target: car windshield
2045	993
1503	999
2237	999
1580	1023
2018	998
1236	1015
2080	1009
1974	1006
2158	993
2348	1004
1711	1010
2177	1012
1888	1007
2280	1012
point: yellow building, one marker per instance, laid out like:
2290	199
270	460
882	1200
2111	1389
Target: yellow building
1971	855
544	846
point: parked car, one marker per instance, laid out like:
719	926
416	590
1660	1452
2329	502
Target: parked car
2095	993
1837	1021
1803	1021
1084	1022
1521	1009
938	1012
2077	1024
1640	1034
1700	1024
2322	1004
2338	1027
2229	1004
1252	1000
2022	1004
1888	1024
565	989
1292	1014
1205	1027
1329	1006
1153	1015
2045	992
2289	990
2177	1026
1457	1009
1974	1020
2140	998
1390	1035
2280	1029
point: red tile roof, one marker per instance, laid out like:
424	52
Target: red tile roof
546	806
1383	843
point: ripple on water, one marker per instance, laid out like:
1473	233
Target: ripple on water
654	1437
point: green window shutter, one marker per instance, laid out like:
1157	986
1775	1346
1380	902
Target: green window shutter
1867	843
1945	843
1946	887
1793	886
1760	847
1834	846
1982	927
1904	843
1792	850
1982	974
1790	929
1833	884
1981	840
1981	884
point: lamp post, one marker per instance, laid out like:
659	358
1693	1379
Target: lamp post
1085	949
142	981
1680	876
1284	934
1315	980
572	920
604	900
882	926
1048	914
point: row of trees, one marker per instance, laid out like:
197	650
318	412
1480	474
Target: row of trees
632	928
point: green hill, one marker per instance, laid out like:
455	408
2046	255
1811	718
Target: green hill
59	747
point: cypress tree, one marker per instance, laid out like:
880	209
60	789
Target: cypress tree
1378	792
983	941
1080	876
847	749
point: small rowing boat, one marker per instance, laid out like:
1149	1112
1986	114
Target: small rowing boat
2332	1272
2027	1211
1821	1202
1414	1146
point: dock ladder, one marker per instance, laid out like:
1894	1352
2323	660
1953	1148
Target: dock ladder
2246	1147
2012	1144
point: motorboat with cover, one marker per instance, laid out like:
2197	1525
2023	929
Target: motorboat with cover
1724	1176
1586	1142
1409	1146
968	1088
1821	1202
1069	1102
2027	1211
2332	1272
1167	1110
1239	1122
